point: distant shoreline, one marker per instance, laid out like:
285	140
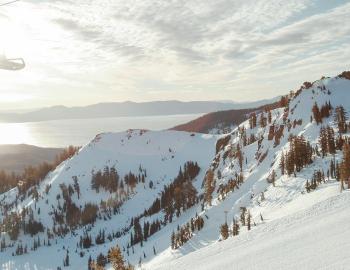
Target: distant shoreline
125	109
78	132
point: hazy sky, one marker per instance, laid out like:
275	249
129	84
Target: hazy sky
81	51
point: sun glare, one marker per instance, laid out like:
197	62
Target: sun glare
6	97
14	133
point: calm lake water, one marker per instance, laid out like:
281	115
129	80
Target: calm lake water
61	133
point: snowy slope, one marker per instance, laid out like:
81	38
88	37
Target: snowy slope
288	211
286	198
160	153
313	238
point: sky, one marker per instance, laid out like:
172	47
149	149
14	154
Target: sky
80	52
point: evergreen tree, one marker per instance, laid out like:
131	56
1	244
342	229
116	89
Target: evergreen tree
101	260
173	244
340	118
316	114
330	140
249	220
94	266
262	120
252	120
224	231
116	258
282	164
242	216
239	156
345	166
269	117
209	187
299	155
323	141
235	228
273	177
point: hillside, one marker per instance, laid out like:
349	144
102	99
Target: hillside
312	238
281	207
172	199
216	122
222	121
145	161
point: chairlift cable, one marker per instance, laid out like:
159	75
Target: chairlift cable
7	3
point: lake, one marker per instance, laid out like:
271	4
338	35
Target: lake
61	133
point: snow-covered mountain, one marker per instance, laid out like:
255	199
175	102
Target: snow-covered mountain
157	156
291	228
163	197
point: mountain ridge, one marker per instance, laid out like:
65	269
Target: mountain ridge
165	195
124	109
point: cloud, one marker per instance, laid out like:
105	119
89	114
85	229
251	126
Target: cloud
74	26
193	31
225	49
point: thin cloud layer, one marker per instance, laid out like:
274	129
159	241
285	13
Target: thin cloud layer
80	52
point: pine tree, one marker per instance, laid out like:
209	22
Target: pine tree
101	260
299	155
239	156
235	228
282	164
262	196
316	114
262	120
284	101
330	140
116	258
173	245
337	171
252	120
94	266
332	169
307	186
242	216
224	231
345	167
273	177
340	118
209	187
249	220
323	141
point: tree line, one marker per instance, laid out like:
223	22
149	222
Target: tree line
33	175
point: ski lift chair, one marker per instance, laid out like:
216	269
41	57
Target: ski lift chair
12	64
15	63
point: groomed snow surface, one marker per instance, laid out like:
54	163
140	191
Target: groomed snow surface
314	238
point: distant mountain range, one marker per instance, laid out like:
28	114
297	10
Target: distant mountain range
128	108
